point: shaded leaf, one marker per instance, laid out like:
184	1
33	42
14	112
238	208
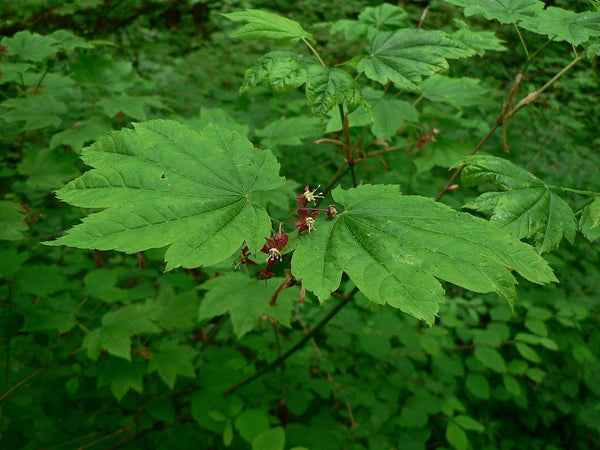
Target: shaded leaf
526	207
490	358
30	47
66	40
393	248
442	152
121	376
13	72
504	11
562	25
103	73
12	223
37	111
171	360
81	132
272	439
384	17
456	436
289	131
589	224
390	115
455	91
163	184
406	56
218	117
134	107
48	169
263	25
246	300
479	41
118	326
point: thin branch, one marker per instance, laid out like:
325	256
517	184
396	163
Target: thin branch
314	51
293	349
506	114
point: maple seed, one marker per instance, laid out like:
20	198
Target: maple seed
306	221
308	196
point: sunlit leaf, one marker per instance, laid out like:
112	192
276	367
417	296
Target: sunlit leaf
163	184
263	25
406	56
526	207
504	11
395	248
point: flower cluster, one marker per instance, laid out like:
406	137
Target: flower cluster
306	222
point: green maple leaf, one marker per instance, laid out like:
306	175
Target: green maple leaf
406	56
134	107
37	111
118	326
30	47
479	41
395	248
562	25
171	360
281	70
12	223
328	87
526	206
246	300
262	25
504	11
385	17
289	131
121	376
163	184
459	92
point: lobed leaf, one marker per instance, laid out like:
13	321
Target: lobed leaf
459	92
281	70
406	56
395	248
328	87
262	25
478	41
589	224
504	11
12	221
526	206
563	25
163	184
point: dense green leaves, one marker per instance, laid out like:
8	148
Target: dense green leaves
393	247
12	224
526	207
327	88
166	185
262	25
406	56
246	300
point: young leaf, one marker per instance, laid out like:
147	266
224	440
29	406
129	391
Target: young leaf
589	224
262	25
246	300
504	11
282	71
171	360
393	247
328	87
406	55
527	207
384	17
560	24
163	184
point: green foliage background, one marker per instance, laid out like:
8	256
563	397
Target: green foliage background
100	349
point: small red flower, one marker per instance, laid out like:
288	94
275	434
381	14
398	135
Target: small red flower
308	196
274	247
243	258
331	211
306	221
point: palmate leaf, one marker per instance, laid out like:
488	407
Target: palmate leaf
262	25
395	248
504	11
406	56
163	184
562	25
385	17
526	206
281	70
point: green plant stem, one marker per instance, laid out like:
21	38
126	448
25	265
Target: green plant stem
576	191
506	114
314	51
522	42
307	337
